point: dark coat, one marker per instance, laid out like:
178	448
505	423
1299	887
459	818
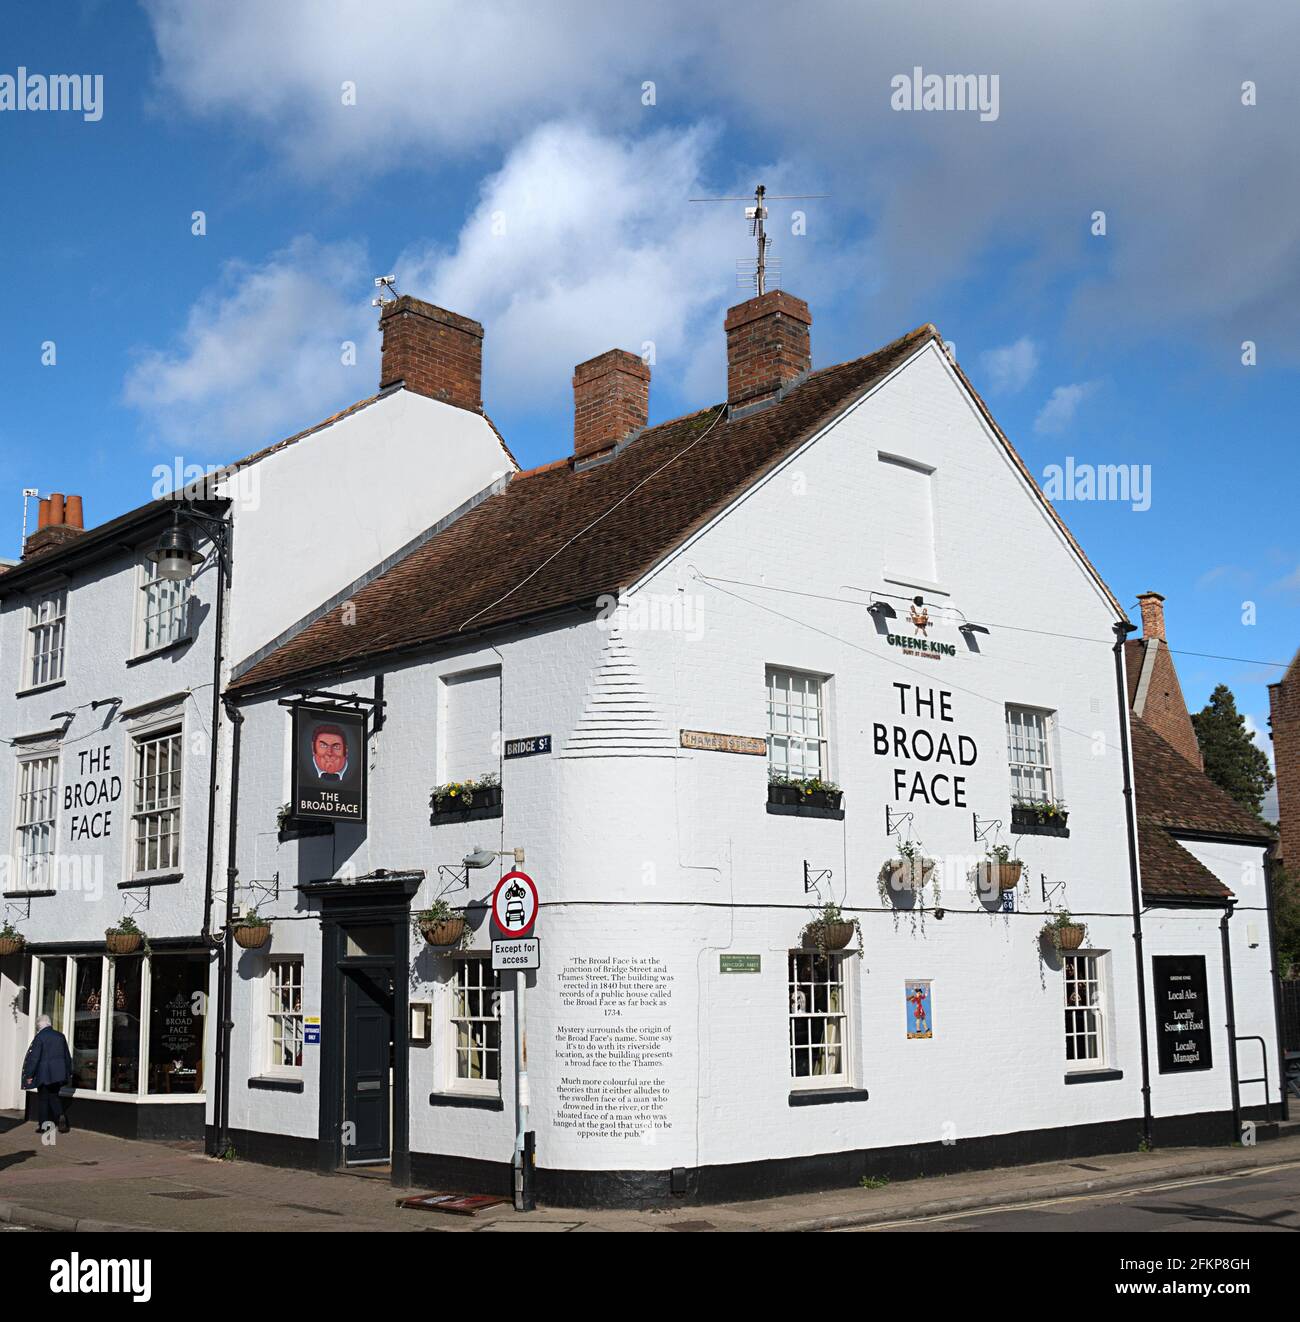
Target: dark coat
48	1059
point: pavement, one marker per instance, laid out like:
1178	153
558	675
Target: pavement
94	1182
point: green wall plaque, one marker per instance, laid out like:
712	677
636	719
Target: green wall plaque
740	963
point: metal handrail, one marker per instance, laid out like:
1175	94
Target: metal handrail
1263	1050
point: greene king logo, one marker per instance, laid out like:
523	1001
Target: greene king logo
945	91
79	92
78	1275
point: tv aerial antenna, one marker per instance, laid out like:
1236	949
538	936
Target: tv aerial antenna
386	285
756	271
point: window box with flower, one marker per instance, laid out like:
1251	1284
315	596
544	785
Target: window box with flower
804	796
1039	817
467	800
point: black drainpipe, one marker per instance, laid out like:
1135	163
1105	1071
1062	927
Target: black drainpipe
1232	1022
1122	629
225	1023
222	538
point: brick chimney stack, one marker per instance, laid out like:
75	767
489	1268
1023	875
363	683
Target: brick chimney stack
767	346
1153	615
611	400
1159	697
432	352
58	522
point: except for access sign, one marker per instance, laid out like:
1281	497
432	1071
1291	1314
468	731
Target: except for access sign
521	953
514	905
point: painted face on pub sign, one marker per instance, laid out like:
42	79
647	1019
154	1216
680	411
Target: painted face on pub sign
330	750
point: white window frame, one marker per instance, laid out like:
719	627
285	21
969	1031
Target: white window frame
45	648
844	962
107	993
451	1020
1041	724
272	1062
788	707
24	827
1076	1024
172	729
148	582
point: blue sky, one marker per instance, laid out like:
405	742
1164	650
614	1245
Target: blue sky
527	166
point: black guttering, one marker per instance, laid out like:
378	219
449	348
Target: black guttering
383	657
1122	629
113	538
224	566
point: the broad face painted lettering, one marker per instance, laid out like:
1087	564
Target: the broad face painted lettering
87	800
926	784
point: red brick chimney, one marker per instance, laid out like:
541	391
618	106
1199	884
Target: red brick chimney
1284	725
432	352
611	400
58	522
1159	696
1153	615
767	345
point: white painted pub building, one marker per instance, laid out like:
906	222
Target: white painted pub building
823	644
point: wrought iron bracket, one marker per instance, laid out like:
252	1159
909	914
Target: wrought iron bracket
811	879
982	826
893	820
1049	891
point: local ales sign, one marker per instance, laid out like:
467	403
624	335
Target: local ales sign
329	764
1182	1013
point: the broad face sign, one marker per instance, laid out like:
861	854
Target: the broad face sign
329	765
1182	1009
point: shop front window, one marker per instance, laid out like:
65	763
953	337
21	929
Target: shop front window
85	1021
177	1004
54	977
124	1066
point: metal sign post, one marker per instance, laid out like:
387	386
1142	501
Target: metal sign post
514	911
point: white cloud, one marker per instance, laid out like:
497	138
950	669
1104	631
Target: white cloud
1010	368
1104	107
1058	413
1288	583
571	250
260	353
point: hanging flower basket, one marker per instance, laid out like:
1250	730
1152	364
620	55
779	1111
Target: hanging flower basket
1003	876
907	873
829	936
10	945
444	932
252	936
123	943
1064	933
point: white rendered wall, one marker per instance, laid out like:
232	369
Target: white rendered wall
327	509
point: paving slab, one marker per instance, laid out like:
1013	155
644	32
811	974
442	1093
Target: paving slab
95	1181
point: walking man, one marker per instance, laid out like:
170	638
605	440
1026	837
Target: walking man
46	1069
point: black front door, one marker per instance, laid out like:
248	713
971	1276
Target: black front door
367	1056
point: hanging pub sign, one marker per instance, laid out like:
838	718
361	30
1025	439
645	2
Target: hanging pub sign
1182	1009
329	764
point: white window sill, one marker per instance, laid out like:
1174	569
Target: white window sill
135	1098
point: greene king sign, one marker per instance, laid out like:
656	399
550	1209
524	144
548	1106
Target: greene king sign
927	647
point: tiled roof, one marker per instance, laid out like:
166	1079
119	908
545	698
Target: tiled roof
1173	797
1170	872
560	537
1174	794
